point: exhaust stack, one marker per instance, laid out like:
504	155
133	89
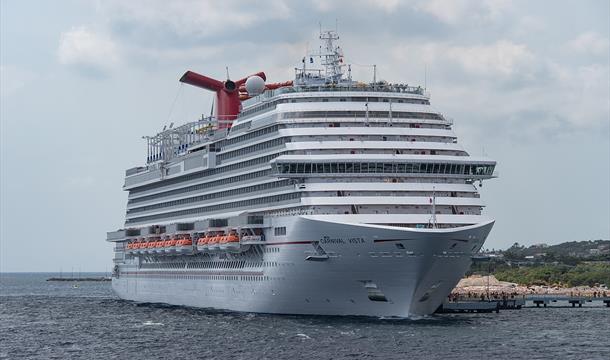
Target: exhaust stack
228	103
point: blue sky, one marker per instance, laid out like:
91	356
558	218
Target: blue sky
527	83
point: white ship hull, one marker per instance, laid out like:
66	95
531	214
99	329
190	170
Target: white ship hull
370	270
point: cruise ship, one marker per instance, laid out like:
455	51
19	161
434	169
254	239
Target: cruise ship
322	195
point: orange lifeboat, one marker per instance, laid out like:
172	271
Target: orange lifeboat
159	246
150	246
202	243
141	246
170	245
231	242
214	241
184	245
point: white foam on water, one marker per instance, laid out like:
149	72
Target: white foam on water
150	323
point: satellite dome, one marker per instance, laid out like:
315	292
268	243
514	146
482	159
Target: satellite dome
255	85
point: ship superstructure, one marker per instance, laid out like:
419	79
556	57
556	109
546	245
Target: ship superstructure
322	195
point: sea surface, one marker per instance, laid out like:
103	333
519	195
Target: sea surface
56	320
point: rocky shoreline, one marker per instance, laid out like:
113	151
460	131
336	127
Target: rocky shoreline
477	285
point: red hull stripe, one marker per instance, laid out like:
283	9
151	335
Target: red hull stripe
289	243
169	273
387	240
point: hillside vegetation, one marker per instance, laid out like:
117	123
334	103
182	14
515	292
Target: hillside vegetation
576	263
589	274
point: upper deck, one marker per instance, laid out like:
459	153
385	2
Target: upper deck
351	87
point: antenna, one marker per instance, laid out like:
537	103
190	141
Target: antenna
425	76
374	73
390	113
227	72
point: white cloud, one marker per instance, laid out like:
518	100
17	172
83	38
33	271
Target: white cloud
584	94
192	54
462	11
386	5
512	86
193	17
502	58
591	43
87	50
323	5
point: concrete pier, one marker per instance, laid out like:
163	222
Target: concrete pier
546	300
474	305
469	307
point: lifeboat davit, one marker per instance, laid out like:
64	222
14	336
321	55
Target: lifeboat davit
184	245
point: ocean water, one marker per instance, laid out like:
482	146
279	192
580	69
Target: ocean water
54	320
